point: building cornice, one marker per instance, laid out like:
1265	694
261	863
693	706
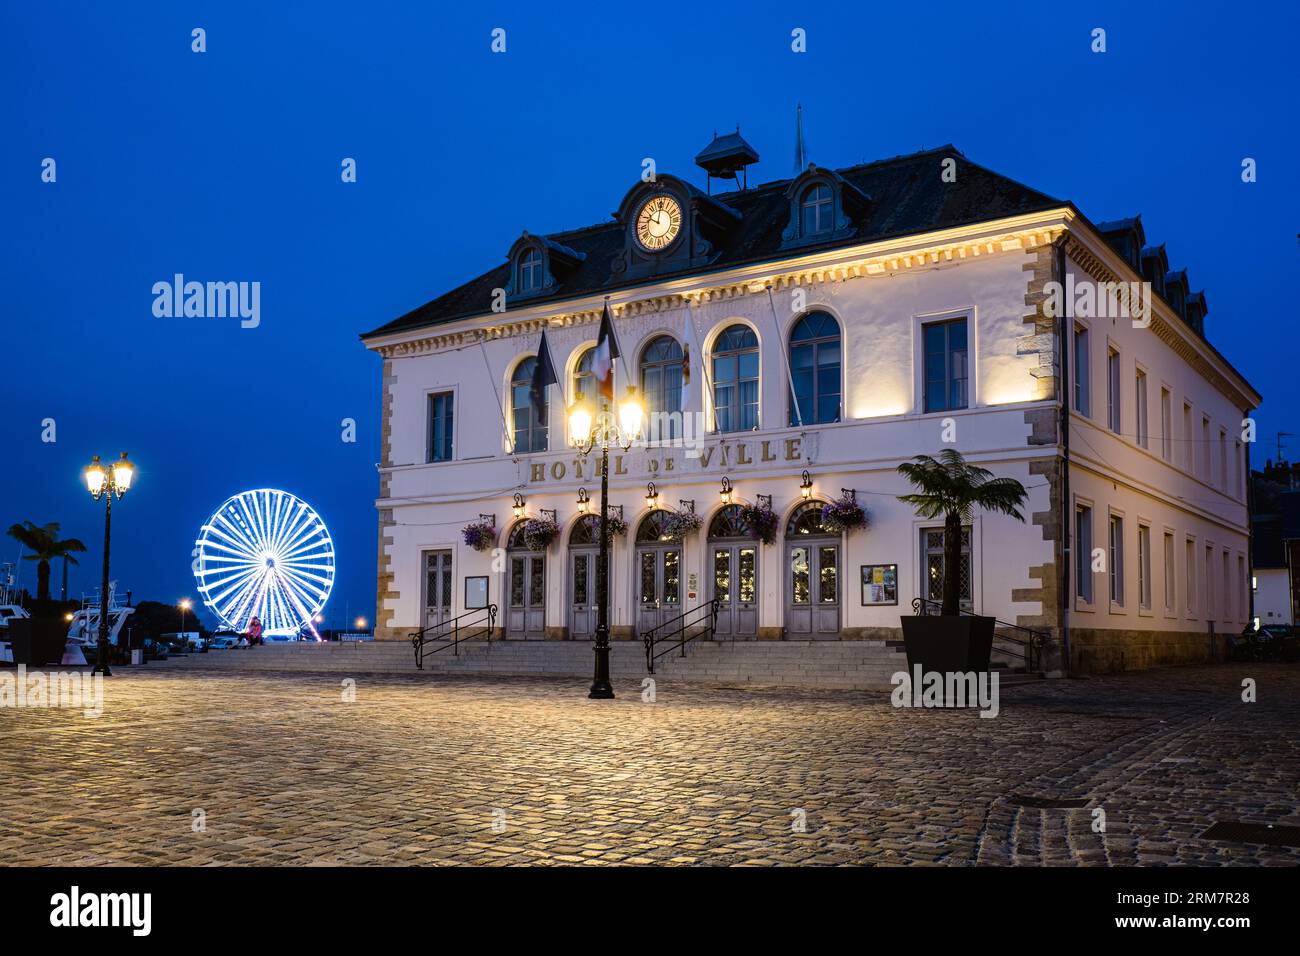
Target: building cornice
887	257
1091	253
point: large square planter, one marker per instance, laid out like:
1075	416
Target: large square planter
37	641
956	644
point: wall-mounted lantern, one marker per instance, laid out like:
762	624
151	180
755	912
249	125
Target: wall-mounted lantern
726	490
651	494
584	500
805	486
518	506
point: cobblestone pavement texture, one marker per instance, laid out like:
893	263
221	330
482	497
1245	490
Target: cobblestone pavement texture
281	769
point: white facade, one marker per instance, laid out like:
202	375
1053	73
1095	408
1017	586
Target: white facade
882	295
1273	596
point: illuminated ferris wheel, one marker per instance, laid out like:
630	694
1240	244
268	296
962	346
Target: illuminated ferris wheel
265	554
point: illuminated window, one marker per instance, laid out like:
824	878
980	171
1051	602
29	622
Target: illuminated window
815	369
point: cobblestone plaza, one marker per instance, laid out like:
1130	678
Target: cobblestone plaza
206	768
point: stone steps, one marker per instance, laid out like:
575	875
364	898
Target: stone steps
832	664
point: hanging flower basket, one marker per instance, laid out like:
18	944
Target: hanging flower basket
761	521
479	535
617	526
539	533
843	514
679	524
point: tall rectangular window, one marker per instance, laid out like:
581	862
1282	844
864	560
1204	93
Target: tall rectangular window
1223	460
1170	597
1209	581
1113	419
946	375
1083	552
441	419
1189	447
1116	560
1241	584
1140	406
932	541
1166	425
1236	469
1227	588
1144	567
1207	474
1189	575
1082	379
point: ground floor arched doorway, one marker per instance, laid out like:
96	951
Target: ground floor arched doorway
732	572
812	576
584	585
658	585
525	617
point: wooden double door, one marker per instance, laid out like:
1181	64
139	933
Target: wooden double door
813	588
437	588
658	585
526	591
584	593
733	576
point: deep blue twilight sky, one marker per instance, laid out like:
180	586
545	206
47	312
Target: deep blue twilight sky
225	166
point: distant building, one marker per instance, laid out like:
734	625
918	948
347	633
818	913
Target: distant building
836	323
1275	542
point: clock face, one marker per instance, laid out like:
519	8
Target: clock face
658	222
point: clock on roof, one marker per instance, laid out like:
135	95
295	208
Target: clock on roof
658	222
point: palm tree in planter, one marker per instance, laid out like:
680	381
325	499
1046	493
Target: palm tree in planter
948	487
46	546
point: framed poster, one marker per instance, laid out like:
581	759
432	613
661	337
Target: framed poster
476	592
879	584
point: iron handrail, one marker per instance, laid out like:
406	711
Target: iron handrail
1027	648
421	639
679	625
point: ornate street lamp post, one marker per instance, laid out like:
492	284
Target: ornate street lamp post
109	483
586	432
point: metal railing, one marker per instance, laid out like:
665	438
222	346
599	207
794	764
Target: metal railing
1025	645
450	631
703	617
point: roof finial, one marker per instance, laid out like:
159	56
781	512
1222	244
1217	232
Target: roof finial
800	151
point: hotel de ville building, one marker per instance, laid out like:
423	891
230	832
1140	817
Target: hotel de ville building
793	343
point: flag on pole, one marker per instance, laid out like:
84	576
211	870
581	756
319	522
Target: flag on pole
543	375
690	353
602	365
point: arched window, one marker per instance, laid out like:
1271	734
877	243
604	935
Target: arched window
661	387
817	209
728	524
807	520
735	380
529	426
586	532
815	369
515	540
651	528
584	379
530	271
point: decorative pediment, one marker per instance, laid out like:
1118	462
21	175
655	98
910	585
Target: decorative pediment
824	206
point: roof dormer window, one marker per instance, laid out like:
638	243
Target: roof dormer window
818	206
531	271
823	206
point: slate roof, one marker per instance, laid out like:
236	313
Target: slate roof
908	198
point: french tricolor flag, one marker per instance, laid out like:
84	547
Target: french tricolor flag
602	364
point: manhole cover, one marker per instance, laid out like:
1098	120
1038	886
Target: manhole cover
1032	802
1265	833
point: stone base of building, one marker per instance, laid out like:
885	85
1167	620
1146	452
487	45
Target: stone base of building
1096	651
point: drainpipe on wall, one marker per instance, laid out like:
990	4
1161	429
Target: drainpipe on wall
1250	536
1067	515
